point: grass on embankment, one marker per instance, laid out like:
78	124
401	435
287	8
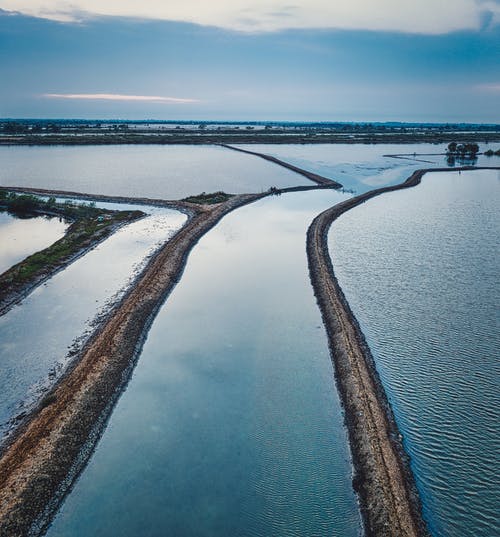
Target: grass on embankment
89	226
209	199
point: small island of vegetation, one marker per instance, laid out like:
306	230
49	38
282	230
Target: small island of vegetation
209	199
89	226
461	153
463	150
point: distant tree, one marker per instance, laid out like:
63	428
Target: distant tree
461	153
469	150
473	149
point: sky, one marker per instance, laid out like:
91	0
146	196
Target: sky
281	60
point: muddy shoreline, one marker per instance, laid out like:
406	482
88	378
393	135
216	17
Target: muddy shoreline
389	500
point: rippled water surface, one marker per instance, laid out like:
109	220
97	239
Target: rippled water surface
361	167
420	270
231	424
37	334
156	171
20	237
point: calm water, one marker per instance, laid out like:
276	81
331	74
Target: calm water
420	270
168	172
37	335
361	167
21	237
231	424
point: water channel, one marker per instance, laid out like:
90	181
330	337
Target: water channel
231	424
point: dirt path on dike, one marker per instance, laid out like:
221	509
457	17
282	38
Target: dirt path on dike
383	479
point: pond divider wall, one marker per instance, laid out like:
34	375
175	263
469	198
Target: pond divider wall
383	479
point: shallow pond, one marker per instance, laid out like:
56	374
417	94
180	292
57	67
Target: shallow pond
21	237
420	270
361	167
37	335
155	171
231	424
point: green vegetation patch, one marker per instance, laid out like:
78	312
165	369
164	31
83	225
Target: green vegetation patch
89	226
26	204
209	199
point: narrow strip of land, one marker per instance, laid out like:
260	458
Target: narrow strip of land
318	179
207	136
383	479
88	227
170	204
411	157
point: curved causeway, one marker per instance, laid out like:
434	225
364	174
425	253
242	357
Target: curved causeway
389	499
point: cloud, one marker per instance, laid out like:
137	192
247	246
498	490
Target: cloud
118	97
410	16
489	88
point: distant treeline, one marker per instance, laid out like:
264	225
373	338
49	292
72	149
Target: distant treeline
36	126
469	150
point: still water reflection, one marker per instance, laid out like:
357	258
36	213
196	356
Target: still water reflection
21	237
156	171
36	335
231	424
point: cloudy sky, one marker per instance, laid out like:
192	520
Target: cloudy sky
359	60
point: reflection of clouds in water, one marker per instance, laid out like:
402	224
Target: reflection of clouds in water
21	237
